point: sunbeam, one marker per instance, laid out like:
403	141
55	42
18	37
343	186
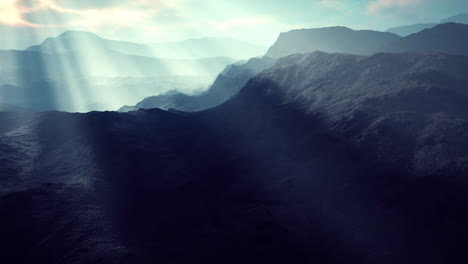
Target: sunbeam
208	131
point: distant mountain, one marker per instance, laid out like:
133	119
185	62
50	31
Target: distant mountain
322	158
227	84
408	30
81	80
331	39
411	29
449	38
188	49
462	19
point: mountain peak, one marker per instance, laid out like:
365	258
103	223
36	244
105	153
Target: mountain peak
77	33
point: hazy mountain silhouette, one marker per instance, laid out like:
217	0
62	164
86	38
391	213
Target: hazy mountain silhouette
323	158
188	49
449	38
408	30
331	39
411	29
462	19
227	84
63	77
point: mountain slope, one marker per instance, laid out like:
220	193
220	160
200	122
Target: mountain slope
408	30
462	19
332	40
188	49
323	158
227	84
450	38
411	29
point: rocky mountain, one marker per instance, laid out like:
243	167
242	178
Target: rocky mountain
188	49
408	30
227	84
331	39
449	38
322	158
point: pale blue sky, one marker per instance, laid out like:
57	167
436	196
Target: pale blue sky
27	22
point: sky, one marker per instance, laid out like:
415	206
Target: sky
27	22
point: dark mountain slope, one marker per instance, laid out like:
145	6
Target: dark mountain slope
332	40
449	38
323	158
227	84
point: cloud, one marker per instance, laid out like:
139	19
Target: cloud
380	7
242	22
11	13
67	13
333	4
89	4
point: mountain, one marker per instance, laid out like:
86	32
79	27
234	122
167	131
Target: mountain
331	39
411	29
79	80
227	84
188	49
322	158
462	19
408	30
450	38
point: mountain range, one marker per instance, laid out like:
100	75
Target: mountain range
187	49
447	38
411	29
322	158
79	71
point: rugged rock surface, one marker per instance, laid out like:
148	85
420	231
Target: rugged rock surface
323	158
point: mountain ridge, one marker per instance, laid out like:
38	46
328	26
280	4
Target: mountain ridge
331	39
326	161
448	38
196	48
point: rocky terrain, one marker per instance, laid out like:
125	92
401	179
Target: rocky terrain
323	158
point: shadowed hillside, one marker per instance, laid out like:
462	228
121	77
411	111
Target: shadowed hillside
323	158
